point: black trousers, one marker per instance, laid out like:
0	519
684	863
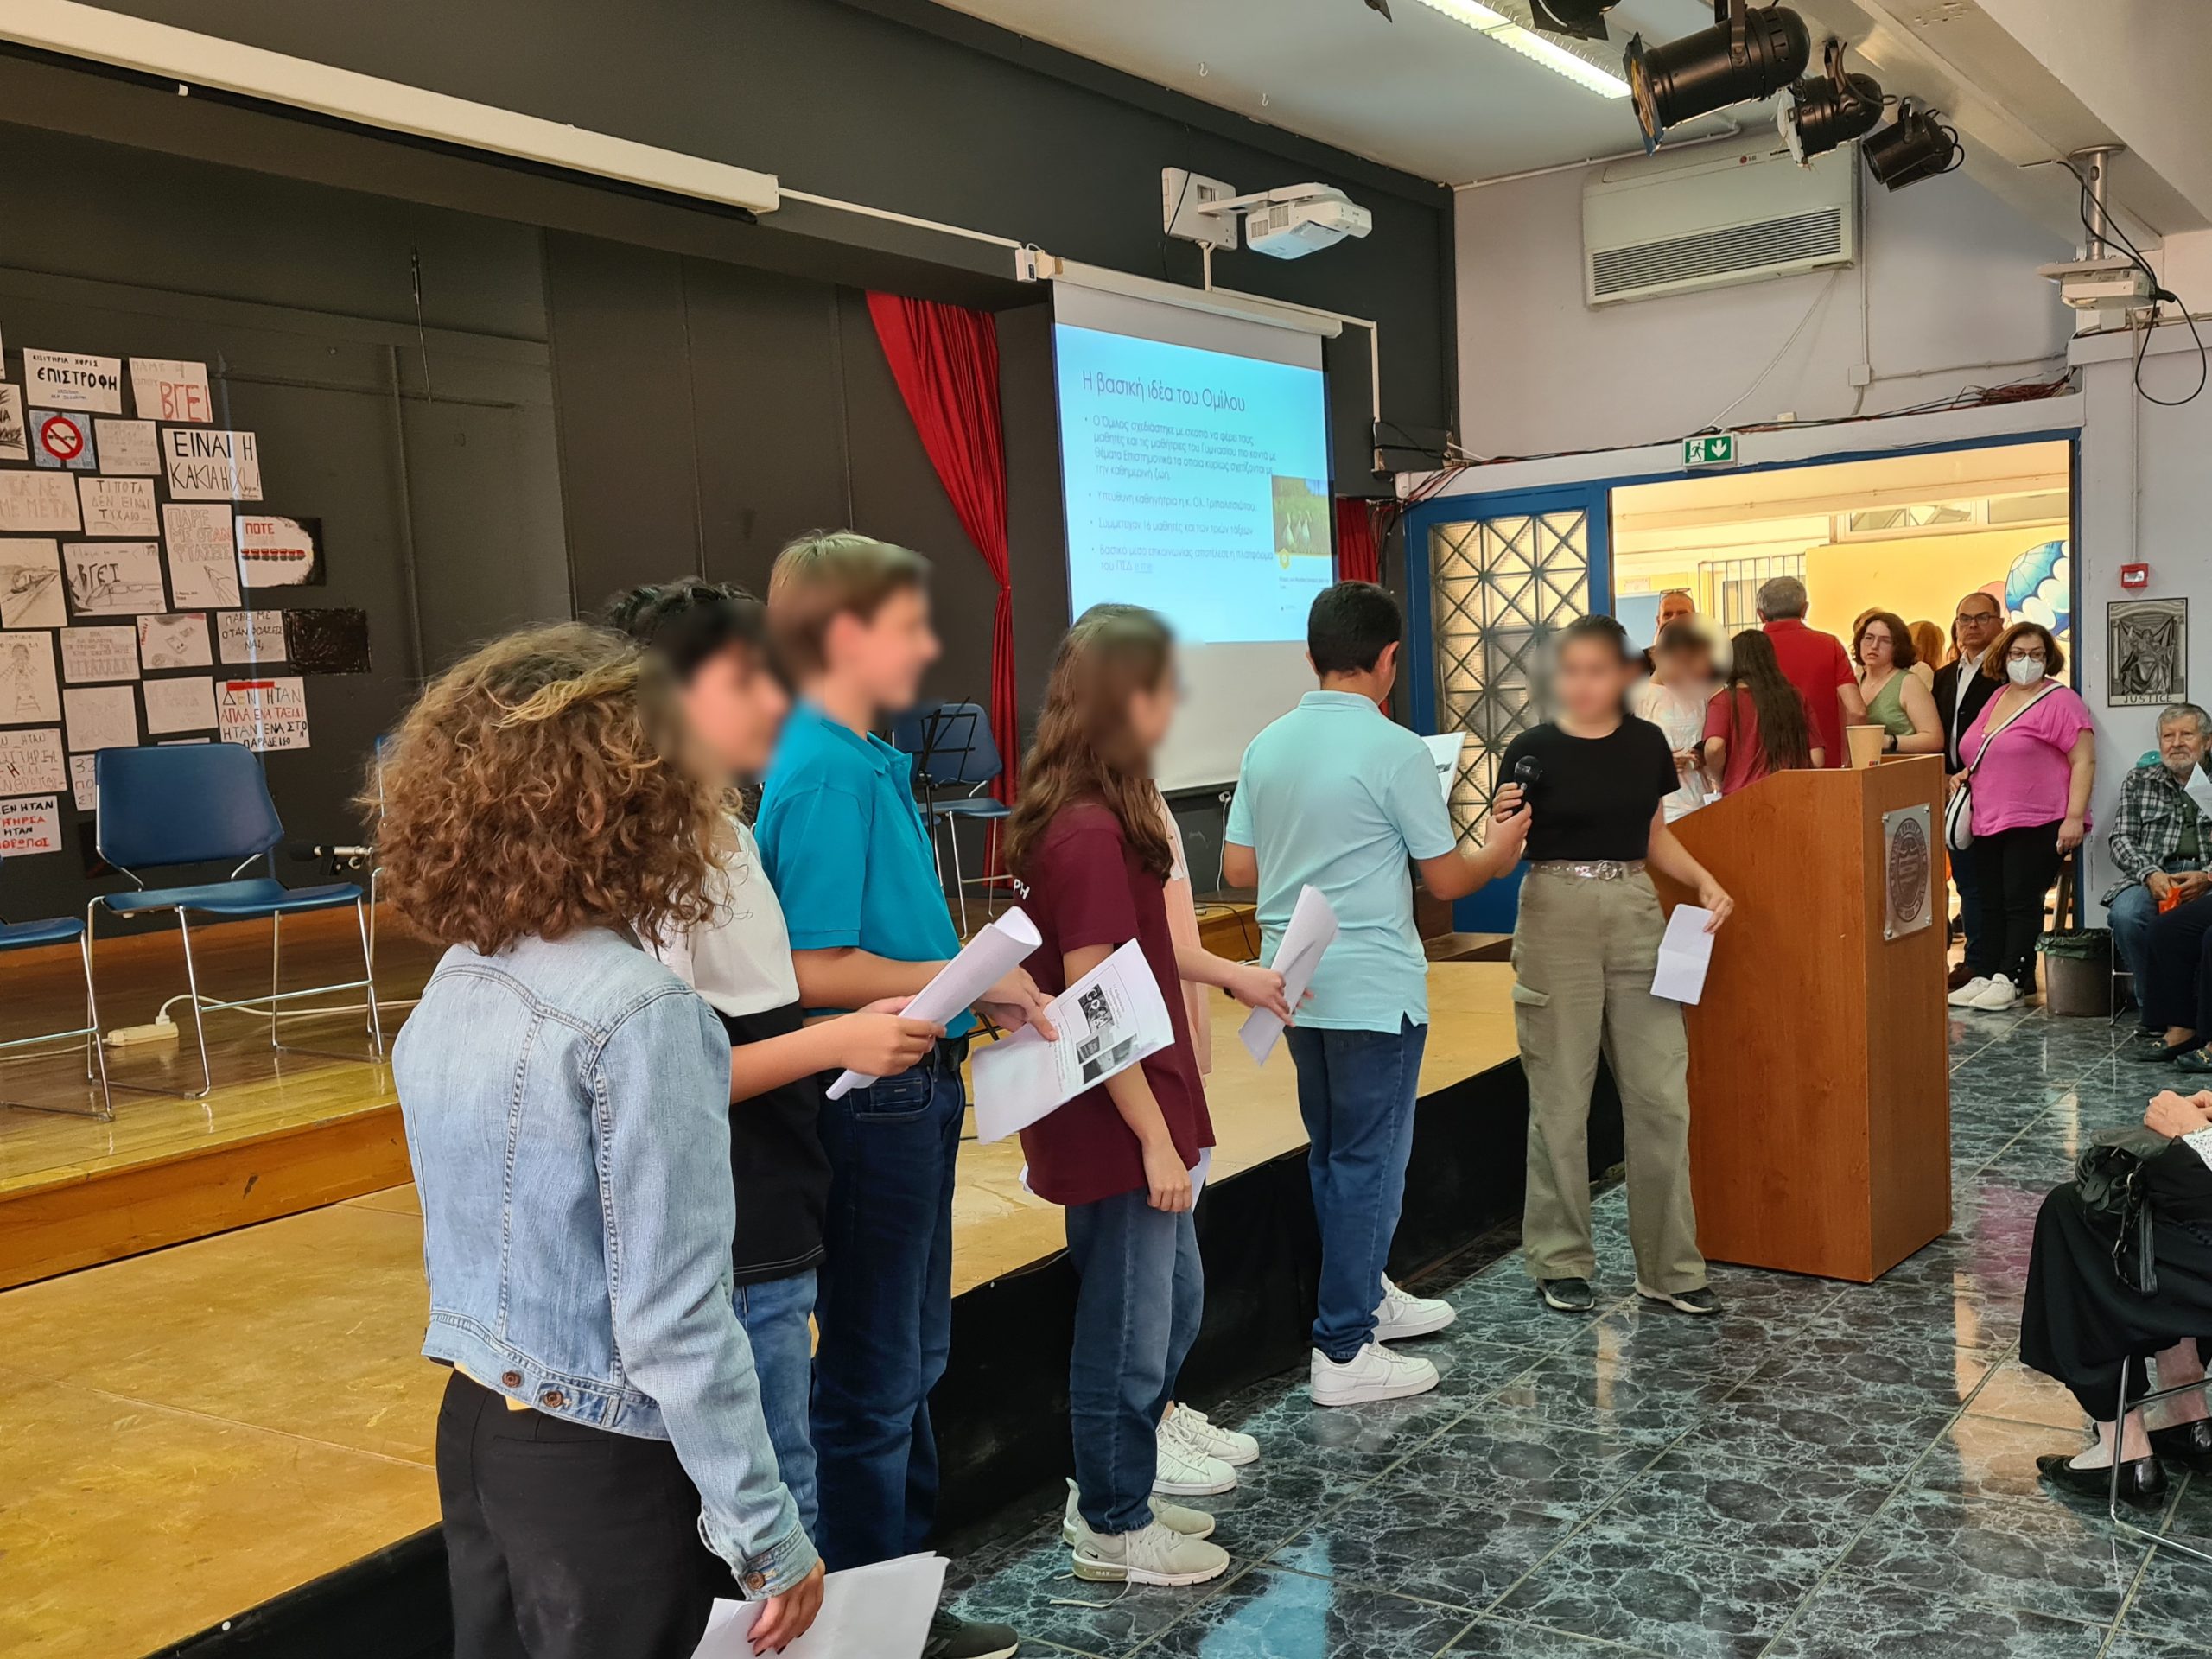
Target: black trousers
2014	871
2079	1325
564	1541
2179	970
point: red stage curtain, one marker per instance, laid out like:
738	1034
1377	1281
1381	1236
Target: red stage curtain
1358	559
945	359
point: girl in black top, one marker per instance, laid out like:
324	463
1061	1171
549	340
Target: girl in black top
1585	949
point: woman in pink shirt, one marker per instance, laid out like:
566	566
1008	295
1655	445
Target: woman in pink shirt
2031	806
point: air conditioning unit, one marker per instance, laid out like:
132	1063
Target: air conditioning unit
1720	215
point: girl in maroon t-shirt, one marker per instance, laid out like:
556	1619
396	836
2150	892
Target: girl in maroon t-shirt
1089	847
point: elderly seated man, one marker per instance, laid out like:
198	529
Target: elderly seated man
2160	844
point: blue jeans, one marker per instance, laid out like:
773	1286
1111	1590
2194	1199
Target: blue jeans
1136	1315
886	1308
2130	915
774	1313
1356	1091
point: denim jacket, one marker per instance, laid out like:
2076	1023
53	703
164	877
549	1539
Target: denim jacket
567	1106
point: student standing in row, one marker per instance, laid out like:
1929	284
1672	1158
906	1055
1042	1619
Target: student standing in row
567	1104
1090	847
842	840
738	957
1585	948
1338	795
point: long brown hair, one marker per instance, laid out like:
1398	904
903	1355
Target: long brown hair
1784	736
1084	749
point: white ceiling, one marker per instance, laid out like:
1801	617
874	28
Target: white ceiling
1424	93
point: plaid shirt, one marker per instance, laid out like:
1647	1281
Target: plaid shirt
2154	809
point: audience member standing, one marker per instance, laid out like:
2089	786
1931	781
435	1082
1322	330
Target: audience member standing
1896	701
1758	722
2031	807
1585	949
1815	663
1961	689
1926	651
1674	699
1338	795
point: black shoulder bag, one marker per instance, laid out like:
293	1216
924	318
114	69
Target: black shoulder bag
2114	1184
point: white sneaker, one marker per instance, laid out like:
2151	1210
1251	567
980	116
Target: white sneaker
1152	1554
1996	995
1400	1315
1964	996
1191	1523
1374	1373
1180	1470
1203	1435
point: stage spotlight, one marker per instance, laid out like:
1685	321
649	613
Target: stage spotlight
1583	19
1831	111
1916	146
1746	55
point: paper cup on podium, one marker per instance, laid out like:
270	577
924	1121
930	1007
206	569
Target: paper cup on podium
1865	745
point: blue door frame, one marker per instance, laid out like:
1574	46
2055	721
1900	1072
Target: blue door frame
1494	908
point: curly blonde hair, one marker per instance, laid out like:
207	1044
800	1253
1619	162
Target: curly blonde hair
536	787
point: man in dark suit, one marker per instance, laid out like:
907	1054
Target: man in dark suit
1961	689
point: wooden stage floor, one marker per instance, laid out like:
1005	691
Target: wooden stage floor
196	1429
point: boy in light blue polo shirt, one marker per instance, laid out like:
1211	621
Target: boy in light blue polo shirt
1337	796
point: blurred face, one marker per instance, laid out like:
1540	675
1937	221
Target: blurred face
1975	623
1673	607
1152	711
1876	648
2181	746
884	655
1589	680
736	706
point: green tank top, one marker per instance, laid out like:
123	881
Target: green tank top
1886	707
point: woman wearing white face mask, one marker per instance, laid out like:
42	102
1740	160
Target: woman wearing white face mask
2031	806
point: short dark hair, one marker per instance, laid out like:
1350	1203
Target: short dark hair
1350	626
688	622
1904	652
1597	628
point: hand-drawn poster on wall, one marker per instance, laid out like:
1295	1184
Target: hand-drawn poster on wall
31	762
36	501
62	437
264	715
186	705
67	380
30	826
99	717
13	444
250	636
89	654
179	641
329	642
166	388
279	552
84	781
127	447
114	578
118	506
30	585
203	563
28	691
2146	652
205	464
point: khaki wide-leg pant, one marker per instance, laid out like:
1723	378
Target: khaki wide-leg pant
1584	951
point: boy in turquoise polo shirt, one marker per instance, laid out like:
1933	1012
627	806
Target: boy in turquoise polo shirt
1338	796
844	846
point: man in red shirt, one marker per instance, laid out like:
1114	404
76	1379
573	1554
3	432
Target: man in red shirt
1815	663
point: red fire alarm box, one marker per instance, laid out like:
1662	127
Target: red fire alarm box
2135	576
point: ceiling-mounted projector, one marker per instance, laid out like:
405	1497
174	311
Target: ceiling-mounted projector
1296	220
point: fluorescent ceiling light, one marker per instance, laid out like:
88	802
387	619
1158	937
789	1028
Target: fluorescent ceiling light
1537	48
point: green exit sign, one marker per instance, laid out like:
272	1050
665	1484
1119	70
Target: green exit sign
1713	449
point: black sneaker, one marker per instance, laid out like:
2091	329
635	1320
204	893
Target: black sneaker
953	1637
1700	1300
1567	1295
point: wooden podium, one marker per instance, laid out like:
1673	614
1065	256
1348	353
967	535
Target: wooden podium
1820	1083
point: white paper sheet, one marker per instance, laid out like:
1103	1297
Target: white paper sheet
126	447
1312	930
880	1612
97	717
30	584
27	687
1445	747
2199	789
1684	954
1108	1021
995	952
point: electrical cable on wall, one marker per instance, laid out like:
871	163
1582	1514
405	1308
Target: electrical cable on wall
2160	294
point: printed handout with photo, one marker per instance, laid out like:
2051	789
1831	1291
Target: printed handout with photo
114	578
30	585
29	691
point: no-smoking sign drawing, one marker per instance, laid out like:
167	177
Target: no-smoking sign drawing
60	438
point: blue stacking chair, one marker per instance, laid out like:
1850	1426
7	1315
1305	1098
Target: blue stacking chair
208	804
64	929
952	749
